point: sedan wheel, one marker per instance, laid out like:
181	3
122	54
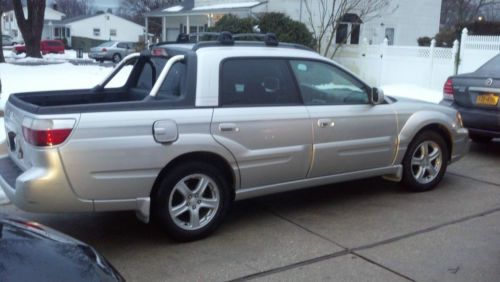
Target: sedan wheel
191	200
425	162
117	58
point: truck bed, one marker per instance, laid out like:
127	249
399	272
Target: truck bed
86	100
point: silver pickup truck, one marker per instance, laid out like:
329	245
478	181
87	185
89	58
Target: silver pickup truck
198	126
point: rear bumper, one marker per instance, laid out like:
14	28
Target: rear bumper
40	189
479	121
99	56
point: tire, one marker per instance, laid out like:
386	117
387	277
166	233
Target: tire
117	58
178	192
480	138
423	170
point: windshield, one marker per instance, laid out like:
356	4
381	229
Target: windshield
107	44
492	67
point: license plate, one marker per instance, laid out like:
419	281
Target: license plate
487	100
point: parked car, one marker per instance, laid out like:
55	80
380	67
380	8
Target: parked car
7	40
46	47
30	251
476	95
112	50
182	141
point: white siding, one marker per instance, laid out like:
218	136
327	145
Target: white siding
9	22
410	20
125	30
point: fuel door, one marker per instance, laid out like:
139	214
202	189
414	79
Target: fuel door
165	131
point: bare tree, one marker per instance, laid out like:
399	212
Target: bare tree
455	12
31	26
5	5
325	17
73	8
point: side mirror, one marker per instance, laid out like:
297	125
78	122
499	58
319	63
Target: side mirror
377	96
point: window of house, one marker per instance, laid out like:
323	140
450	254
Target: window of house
324	84
68	32
389	34
97	32
257	82
342	33
112	32
57	32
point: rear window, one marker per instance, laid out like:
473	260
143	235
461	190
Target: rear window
492	67
107	44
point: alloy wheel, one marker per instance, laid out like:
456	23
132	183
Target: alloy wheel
426	162
194	201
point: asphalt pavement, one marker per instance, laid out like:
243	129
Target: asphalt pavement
369	230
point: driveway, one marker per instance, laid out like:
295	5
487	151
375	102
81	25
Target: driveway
368	230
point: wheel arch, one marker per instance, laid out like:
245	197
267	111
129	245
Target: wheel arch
423	121
230	174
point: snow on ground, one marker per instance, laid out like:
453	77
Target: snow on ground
413	92
68	55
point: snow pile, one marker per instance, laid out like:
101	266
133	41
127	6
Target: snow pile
413	92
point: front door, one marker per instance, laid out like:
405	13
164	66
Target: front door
350	134
262	121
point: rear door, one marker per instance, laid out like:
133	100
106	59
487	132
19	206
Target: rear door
350	134
262	121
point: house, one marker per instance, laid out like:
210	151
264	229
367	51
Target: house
401	23
85	31
52	22
104	27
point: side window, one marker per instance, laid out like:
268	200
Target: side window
324	84
122	45
145	80
257	82
174	85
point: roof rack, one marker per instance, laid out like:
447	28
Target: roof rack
226	38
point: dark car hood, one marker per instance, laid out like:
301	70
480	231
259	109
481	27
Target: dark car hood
33	252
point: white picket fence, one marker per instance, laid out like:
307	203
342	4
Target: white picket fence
427	67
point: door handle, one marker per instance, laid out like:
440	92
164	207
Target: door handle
228	127
323	123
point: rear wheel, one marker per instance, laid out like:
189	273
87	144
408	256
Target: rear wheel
425	162
117	58
480	138
192	201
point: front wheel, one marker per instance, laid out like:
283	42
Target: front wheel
192	201
425	162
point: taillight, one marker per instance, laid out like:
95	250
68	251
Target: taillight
448	90
104	50
43	133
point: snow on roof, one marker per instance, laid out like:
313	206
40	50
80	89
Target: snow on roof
174	9
228	6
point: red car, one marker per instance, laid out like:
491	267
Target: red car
46	47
